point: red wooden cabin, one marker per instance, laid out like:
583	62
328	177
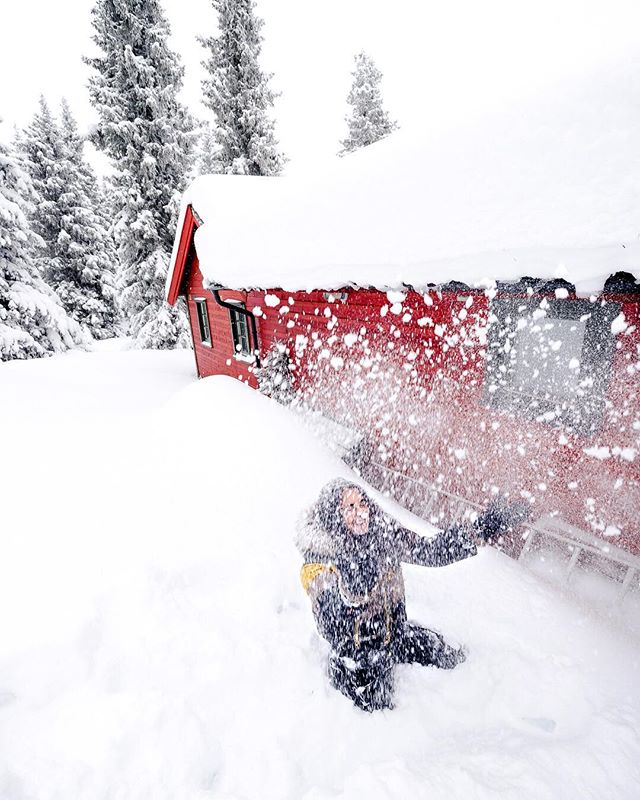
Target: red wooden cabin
526	386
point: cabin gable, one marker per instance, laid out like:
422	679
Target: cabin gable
184	255
216	354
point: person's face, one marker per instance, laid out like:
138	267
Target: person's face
355	511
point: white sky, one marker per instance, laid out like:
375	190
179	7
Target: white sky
442	61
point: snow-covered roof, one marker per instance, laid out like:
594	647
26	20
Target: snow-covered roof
550	189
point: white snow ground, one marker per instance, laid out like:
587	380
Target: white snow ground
155	641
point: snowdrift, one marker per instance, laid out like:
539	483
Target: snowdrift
156	641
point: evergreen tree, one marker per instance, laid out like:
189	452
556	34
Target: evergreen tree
238	93
77	257
209	152
147	133
32	321
82	272
41	145
110	209
368	121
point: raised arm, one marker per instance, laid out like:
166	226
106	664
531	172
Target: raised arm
460	541
447	547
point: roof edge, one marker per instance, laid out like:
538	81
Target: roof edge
190	224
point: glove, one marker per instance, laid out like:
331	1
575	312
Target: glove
501	517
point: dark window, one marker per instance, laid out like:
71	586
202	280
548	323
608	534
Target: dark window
550	359
240	332
203	321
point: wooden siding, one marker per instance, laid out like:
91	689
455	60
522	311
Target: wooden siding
218	358
411	377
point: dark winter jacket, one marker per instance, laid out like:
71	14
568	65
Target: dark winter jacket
355	581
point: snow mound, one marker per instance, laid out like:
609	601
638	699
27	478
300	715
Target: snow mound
549	188
156	641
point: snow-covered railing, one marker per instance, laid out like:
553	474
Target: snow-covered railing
426	500
436	505
579	543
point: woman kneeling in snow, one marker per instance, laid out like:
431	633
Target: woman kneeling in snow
352	573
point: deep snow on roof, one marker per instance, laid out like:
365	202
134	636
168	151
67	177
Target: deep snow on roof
551	189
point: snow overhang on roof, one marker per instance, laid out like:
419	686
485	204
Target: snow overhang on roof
550	190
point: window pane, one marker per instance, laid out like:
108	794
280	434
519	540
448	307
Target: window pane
240	333
244	335
552	367
200	322
234	331
203	321
548	354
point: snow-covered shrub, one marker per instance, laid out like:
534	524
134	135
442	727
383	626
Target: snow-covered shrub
275	376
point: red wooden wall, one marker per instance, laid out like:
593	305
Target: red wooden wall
219	358
411	376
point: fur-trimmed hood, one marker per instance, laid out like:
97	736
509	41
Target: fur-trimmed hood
322	535
312	539
321	530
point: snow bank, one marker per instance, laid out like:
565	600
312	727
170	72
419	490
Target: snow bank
156	641
550	188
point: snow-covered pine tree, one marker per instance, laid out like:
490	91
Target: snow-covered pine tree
32	320
77	258
82	271
148	135
208	160
41	145
238	92
368	121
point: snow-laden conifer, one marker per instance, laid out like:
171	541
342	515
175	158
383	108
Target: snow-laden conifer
77	258
368	121
41	145
147	133
32	320
237	91
208	157
83	270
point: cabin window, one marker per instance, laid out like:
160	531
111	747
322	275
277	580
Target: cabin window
550	360
203	321
240	332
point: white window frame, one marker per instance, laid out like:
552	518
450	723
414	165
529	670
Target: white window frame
584	414
201	306
240	355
